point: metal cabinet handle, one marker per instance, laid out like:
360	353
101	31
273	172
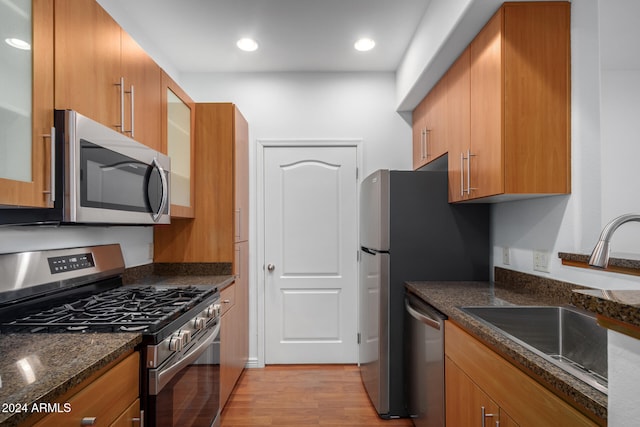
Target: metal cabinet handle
461	174
139	419
132	104
469	156
427	134
88	421
271	267
485	416
238	223
52	165
121	84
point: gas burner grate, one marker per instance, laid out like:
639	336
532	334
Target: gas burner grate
126	309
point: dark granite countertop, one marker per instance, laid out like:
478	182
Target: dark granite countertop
619	305
196	280
629	261
39	368
447	297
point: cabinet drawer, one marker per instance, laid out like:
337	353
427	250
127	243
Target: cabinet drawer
227	298
105	399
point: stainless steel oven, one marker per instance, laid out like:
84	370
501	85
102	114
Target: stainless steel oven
184	390
108	177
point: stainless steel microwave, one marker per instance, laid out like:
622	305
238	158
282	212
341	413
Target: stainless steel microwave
107	177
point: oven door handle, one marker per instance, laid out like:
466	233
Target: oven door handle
159	379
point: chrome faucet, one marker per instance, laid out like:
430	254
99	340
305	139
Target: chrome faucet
600	255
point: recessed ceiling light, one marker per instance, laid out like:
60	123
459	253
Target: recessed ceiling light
364	44
18	44
247	44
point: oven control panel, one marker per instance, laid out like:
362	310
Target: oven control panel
63	264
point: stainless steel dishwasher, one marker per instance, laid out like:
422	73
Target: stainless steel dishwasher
424	367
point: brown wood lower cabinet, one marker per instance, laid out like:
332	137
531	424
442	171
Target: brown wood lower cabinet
234	340
112	399
477	377
468	405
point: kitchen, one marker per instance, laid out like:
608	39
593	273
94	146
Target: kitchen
367	110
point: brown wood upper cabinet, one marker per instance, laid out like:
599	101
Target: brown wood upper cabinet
429	129
27	111
221	192
519	106
178	142
102	73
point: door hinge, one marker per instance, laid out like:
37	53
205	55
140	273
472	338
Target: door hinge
358	338
357	173
358	255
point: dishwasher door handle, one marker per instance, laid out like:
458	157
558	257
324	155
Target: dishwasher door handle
424	318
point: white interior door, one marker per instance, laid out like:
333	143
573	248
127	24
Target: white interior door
310	254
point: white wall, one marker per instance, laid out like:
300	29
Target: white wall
315	105
308	106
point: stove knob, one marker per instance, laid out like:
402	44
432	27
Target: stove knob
213	310
176	342
186	337
199	323
210	311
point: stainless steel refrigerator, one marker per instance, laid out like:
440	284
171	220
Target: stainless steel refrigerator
408	232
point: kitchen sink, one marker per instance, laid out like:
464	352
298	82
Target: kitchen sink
567	337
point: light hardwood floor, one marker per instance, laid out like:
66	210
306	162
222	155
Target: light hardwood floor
301	395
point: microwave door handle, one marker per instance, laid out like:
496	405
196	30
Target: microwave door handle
165	191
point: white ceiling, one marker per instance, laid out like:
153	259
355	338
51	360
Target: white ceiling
294	35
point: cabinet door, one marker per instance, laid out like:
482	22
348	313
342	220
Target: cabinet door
142	85
25	145
178	121
537	97
87	66
241	173
437	137
458	126
486	163
419	135
466	403
105	399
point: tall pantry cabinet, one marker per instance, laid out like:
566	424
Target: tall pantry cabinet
219	231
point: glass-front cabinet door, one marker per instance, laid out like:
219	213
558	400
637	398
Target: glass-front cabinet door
178	144
26	102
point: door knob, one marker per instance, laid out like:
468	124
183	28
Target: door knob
271	267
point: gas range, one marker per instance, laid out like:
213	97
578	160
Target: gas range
144	309
80	290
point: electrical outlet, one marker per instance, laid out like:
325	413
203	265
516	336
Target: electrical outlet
541	261
506	255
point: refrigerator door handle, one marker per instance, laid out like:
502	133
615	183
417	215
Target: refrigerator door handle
367	250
